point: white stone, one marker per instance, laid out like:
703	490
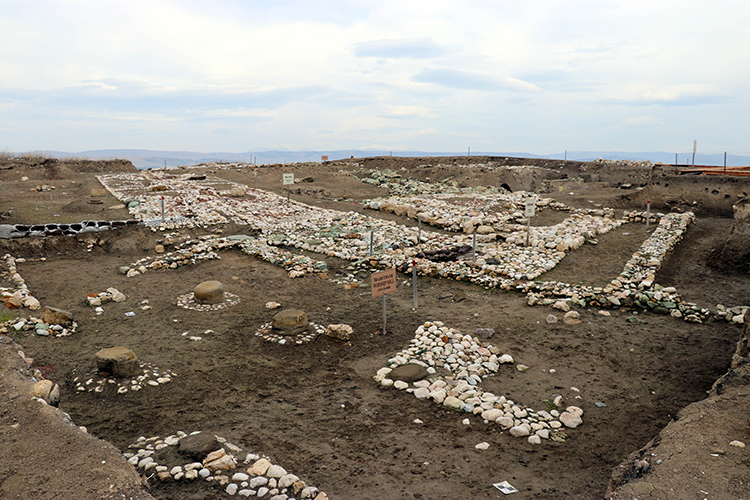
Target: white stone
287	480
258	481
562	305
438	395
482	446
275	471
520	430
231	488
452	402
571	420
308	492
504	359
504	422
492	415
240	476
422	393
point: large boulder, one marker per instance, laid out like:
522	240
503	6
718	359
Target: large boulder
119	361
209	292
55	316
339	332
198	446
47	391
290	322
409	372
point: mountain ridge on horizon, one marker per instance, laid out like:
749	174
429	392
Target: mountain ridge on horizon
146	158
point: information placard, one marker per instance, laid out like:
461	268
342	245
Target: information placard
383	282
530	208
287	179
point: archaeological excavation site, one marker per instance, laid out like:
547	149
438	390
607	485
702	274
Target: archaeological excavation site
374	328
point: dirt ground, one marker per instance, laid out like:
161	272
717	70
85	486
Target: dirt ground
314	408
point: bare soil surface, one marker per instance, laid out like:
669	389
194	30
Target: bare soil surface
314	408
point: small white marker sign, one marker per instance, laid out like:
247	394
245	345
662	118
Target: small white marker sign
287	179
530	208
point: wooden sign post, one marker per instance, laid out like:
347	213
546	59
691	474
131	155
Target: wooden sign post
381	284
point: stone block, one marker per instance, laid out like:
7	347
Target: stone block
119	361
55	316
209	292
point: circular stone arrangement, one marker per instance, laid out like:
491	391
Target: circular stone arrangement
151	376
188	301
268	333
213	459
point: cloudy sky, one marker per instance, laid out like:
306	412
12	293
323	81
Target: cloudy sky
536	76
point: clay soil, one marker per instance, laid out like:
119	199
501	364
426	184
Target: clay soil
314	408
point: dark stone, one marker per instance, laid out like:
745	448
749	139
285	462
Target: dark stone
408	373
660	310
485	332
198	446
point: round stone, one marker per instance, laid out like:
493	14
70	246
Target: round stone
409	372
48	391
290	322
119	361
198	446
209	292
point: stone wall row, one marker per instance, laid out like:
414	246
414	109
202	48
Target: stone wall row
43	230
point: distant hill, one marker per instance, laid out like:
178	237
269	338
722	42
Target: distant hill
144	158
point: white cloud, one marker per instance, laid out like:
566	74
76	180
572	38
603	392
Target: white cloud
643	121
538	76
409	112
673	95
411	48
469	80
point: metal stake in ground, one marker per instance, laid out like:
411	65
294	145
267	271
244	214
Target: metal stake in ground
256	178
474	246
162	210
371	240
419	233
414	280
648	213
382	283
